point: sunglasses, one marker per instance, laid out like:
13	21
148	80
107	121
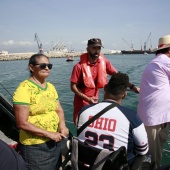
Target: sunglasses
44	65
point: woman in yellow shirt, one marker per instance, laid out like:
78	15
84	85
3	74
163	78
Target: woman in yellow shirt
40	117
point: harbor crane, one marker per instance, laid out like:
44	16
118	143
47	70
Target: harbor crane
130	45
145	43
39	44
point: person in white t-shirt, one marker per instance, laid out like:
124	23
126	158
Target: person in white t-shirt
118	126
154	100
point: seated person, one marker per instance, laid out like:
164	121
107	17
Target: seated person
118	126
10	159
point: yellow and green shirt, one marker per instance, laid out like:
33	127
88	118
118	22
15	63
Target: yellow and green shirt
43	105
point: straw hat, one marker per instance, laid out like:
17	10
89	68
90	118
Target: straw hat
164	42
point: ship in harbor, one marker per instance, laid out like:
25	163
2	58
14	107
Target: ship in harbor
138	52
142	50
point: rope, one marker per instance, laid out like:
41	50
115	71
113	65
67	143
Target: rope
6	90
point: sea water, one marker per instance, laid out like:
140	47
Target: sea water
13	72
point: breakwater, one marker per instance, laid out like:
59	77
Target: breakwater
25	56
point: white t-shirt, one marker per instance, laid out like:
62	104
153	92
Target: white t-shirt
117	127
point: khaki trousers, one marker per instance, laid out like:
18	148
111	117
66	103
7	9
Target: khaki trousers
157	136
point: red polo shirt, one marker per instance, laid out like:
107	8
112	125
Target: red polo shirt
77	77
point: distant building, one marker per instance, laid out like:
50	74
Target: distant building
3	52
108	52
115	51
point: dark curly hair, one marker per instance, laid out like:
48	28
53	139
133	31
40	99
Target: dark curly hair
118	84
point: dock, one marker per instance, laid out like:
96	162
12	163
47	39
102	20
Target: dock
25	56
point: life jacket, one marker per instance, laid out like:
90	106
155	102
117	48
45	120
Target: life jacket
101	72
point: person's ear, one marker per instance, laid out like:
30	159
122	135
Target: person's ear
31	67
124	95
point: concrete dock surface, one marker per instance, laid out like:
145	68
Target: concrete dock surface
25	56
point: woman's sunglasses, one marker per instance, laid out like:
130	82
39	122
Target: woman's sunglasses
44	65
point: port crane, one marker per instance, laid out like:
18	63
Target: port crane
130	45
39	44
145	43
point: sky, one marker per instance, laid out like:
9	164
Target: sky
73	22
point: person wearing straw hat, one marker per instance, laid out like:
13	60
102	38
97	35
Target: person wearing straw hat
154	100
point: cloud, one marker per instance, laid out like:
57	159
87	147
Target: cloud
10	42
129	25
20	43
84	42
47	43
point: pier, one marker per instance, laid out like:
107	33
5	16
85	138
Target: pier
25	56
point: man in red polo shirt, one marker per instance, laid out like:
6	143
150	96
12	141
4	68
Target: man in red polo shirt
89	75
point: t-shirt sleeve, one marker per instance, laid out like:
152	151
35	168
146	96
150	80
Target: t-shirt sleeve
140	140
109	68
21	96
76	73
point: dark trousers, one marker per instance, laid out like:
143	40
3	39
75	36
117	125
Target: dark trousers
44	156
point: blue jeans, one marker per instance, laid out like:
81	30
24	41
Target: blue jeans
46	156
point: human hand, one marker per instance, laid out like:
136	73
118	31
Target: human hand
64	131
136	89
93	100
56	136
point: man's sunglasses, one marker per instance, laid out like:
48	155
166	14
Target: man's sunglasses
44	65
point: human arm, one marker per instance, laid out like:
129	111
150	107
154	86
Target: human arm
140	140
78	92
62	126
22	114
134	88
77	78
111	70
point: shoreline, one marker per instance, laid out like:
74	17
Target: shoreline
25	56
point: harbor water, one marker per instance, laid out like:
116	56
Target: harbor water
15	71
